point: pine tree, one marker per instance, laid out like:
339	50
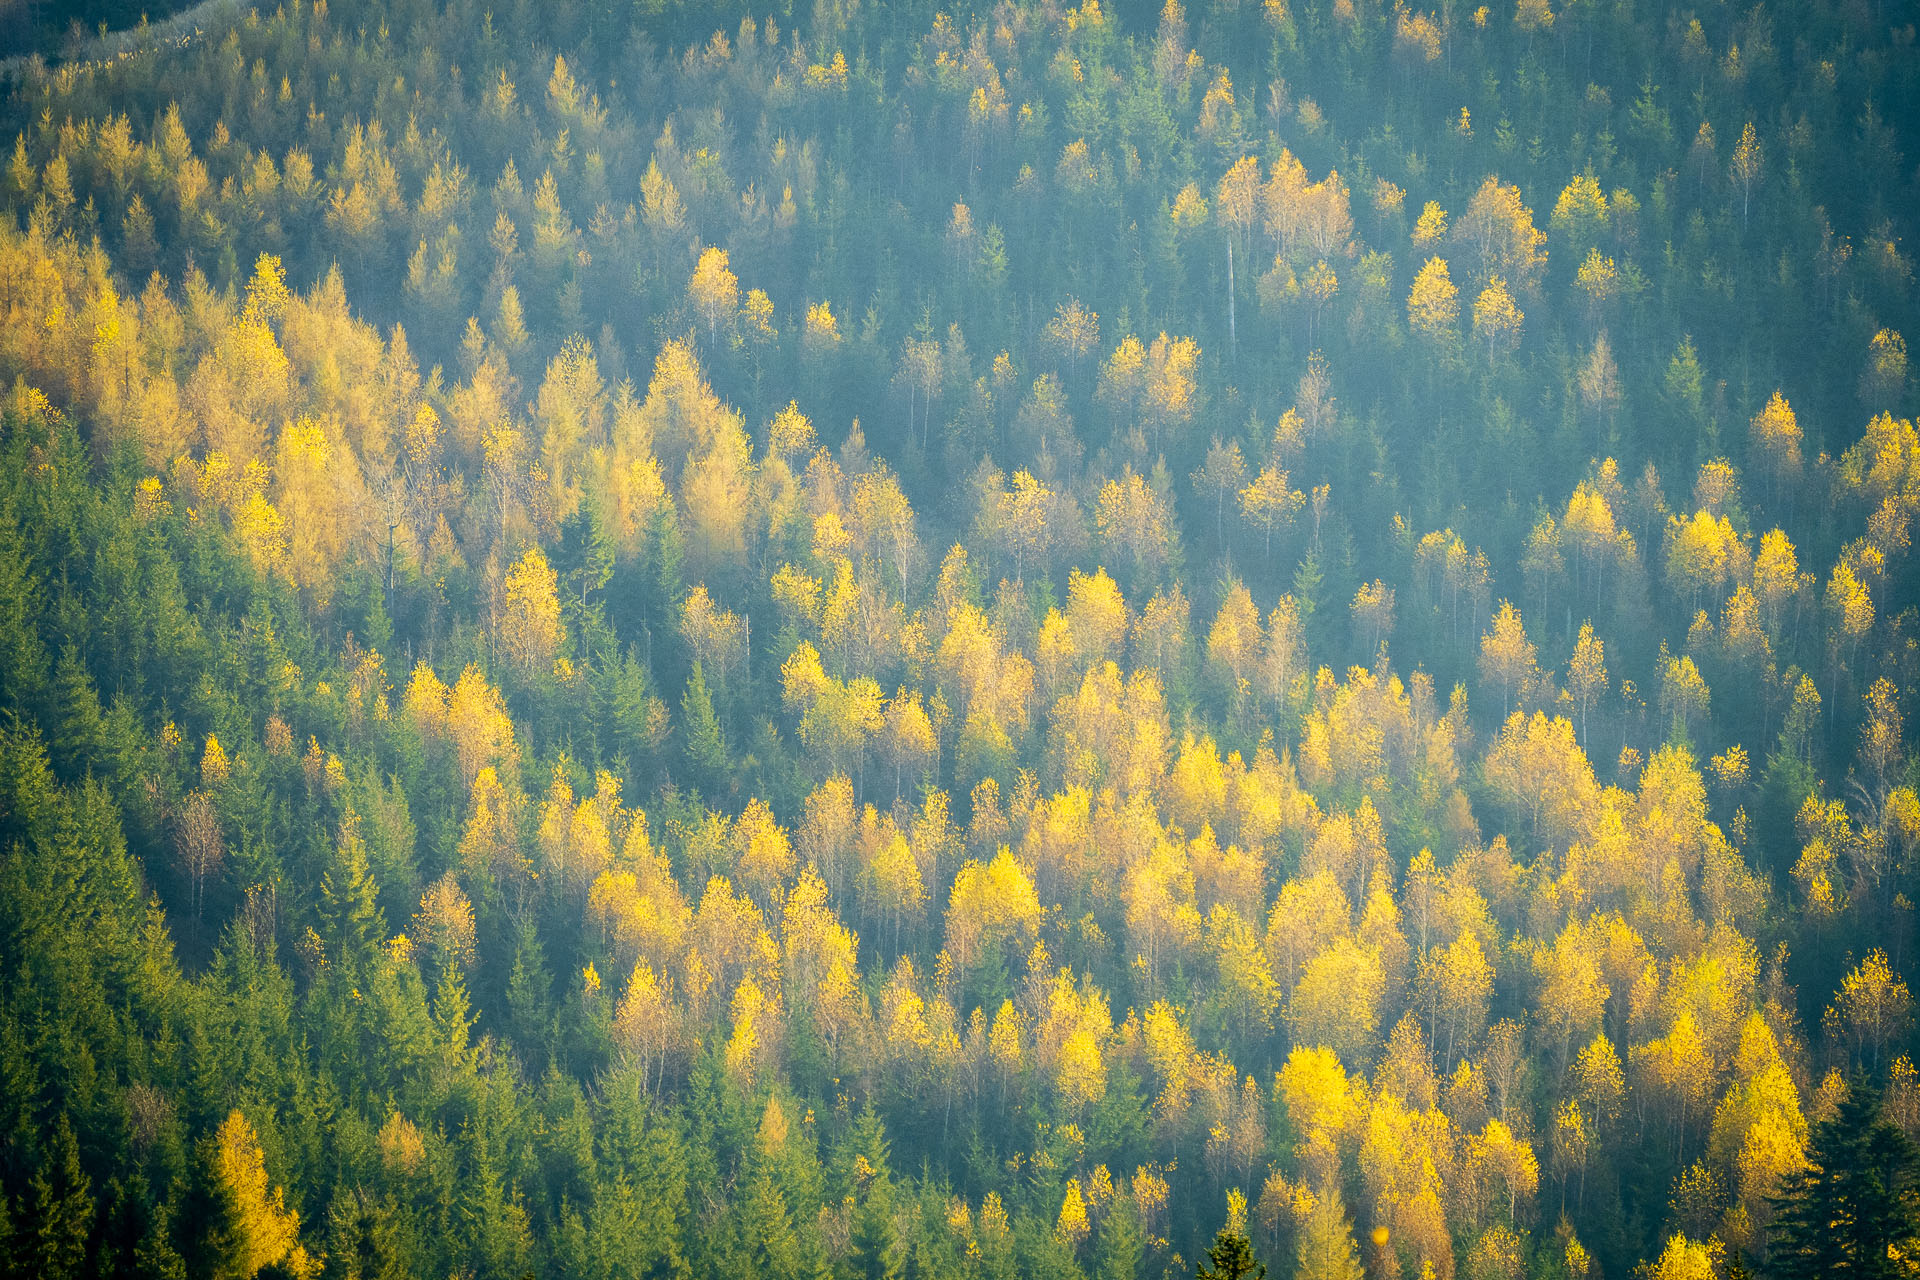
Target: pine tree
875	1248
60	1212
767	1228
79	734
1309	583
585	557
492	1215
1230	1257
1121	1243
706	749
350	900
22	603
529	996
667	547
1855	1209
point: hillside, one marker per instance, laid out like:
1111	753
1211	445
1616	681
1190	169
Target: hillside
1004	640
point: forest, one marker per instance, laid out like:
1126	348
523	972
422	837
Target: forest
677	639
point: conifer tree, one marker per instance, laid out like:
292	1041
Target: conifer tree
706	749
58	1221
79	727
1230	1257
1855	1209
1326	1250
350	898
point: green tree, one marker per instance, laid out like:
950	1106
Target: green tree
1230	1257
1122	1242
79	729
1855	1209
350	900
706	749
59	1212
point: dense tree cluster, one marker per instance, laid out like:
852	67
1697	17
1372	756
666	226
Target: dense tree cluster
1003	640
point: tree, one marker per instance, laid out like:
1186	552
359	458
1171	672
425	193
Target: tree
1337	1001
1587	674
1535	766
1073	332
1580	214
714	291
919	372
1372	610
1703	554
1542	562
1748	162
1172	386
59	1212
1775	433
706	749
1872	1009
1854	1210
1683	693
1496	320
1219	476
1121	1242
1497	229
1325	1249
1683	1259
1532	16
1884	379
1599	279
530	630
1020	519
1433	304
908	740
1508	660
201	845
1230	1257
1268	504
254	1228
1134	521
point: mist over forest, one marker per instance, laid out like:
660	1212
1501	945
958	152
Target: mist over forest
884	641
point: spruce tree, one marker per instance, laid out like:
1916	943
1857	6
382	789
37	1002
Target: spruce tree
1854	1211
349	898
706	750
1122	1243
79	731
1230	1257
60	1211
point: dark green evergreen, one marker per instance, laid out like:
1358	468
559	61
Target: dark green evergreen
1855	1209
1230	1257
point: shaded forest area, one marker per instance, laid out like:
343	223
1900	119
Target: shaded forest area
1004	640
70	29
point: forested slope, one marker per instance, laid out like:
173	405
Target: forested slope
955	643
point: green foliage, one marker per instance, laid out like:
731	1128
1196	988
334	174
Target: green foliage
399	877
1230	1257
1855	1209
706	750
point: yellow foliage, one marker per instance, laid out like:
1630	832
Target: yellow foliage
1072	1226
1496	320
1431	227
214	769
1433	304
259	1230
530	628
